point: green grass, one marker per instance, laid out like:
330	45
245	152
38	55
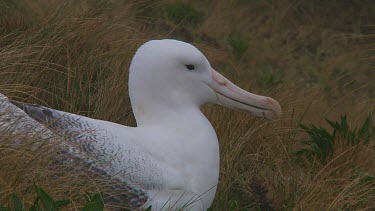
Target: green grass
183	13
269	76
238	46
45	202
321	142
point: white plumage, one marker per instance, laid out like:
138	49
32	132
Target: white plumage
171	159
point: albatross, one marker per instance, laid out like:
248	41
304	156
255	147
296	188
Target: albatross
170	160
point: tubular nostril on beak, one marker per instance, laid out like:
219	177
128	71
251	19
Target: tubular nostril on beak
222	82
233	96
218	78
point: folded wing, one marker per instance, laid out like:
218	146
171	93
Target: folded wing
88	143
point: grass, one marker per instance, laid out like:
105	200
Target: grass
179	12
44	201
322	143
269	77
239	47
74	56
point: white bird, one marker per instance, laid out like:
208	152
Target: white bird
171	159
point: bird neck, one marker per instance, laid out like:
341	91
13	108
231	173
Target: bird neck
156	114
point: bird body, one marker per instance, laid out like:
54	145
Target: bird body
171	159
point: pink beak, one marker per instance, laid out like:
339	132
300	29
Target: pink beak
230	95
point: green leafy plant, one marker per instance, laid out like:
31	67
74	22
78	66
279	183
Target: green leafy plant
45	202
17	203
321	142
94	203
179	12
149	208
269	76
239	46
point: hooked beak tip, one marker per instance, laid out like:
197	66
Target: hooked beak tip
275	111
229	94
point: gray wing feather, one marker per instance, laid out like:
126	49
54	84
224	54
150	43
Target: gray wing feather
67	125
90	147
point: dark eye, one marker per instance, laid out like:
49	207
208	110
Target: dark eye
190	67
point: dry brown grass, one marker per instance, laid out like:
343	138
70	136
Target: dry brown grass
75	57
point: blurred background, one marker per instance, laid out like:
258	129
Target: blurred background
316	57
